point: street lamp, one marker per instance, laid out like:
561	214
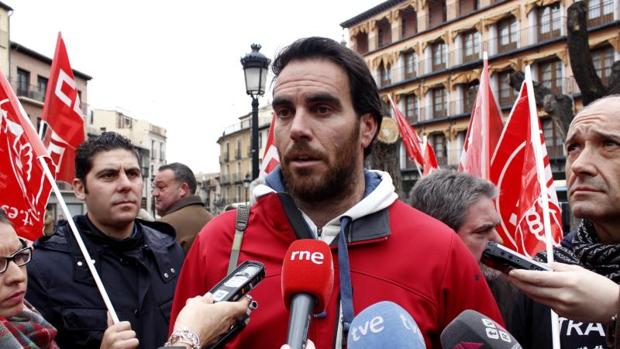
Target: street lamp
255	66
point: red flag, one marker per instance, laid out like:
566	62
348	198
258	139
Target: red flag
485	128
24	191
513	170
63	115
411	140
430	160
271	159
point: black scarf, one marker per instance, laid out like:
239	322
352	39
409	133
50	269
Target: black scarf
588	251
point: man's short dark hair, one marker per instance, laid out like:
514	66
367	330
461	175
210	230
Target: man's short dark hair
182	174
107	141
364	93
447	195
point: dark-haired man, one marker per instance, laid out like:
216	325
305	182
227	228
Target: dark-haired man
138	261
174	191
328	112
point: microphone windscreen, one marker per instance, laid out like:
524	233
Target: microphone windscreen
384	325
308	268
473	330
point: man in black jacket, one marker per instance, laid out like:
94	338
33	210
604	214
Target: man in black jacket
138	261
583	287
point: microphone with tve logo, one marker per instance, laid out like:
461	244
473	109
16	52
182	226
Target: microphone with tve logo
307	284
384	325
473	330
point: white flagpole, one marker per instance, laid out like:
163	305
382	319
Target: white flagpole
484	127
89	261
540	174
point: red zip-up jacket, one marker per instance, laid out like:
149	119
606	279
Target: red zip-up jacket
405	257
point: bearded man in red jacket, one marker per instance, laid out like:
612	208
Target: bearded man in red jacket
328	112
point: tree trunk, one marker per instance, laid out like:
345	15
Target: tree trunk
558	106
385	157
581	63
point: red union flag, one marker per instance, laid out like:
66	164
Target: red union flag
24	191
63	115
430	160
411	140
271	160
485	128
513	170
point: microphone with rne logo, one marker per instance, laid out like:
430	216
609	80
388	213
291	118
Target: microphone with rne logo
385	325
473	330
307	284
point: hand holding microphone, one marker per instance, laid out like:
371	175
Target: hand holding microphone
307	284
385	325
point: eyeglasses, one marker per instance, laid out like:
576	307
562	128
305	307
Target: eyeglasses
20	258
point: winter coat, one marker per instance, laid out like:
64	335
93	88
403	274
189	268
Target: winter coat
187	216
396	253
139	274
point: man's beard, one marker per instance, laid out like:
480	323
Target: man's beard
333	184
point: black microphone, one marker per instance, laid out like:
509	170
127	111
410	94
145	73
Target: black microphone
473	330
307	284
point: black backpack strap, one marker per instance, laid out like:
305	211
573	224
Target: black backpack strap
295	219
243	215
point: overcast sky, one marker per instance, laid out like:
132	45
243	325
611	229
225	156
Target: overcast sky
174	63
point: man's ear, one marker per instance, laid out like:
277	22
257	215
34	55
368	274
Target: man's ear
79	188
185	190
368	129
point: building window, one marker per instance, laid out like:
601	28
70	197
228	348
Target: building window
603	58
153	149
507	35
437	13
384	33
439	102
238	152
123	121
162	152
550	75
471	46
549	22
469	96
506	94
438	141
42	86
410	64
23	82
438	51
468	6
361	42
411	108
384	73
600	12
553	140
408	22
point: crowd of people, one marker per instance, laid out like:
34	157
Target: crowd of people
423	255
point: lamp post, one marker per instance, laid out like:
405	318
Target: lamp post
255	66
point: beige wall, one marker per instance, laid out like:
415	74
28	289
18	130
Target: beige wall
236	165
4	41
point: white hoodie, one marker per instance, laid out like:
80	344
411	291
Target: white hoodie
381	197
